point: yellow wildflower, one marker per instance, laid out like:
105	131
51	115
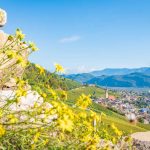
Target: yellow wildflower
94	115
41	69
13	120
33	146
10	38
19	34
65	124
45	142
93	142
1	113
114	140
117	132
11	54
20	82
36	105
18	100
53	93
35	138
2	130
20	92
59	68
21	61
83	114
64	95
33	46
83	101
44	95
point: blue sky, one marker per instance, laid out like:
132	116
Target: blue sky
84	35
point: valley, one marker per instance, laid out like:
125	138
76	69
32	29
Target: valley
100	103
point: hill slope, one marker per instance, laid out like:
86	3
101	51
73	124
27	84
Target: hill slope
74	90
120	71
53	80
115	77
130	80
80	77
111	117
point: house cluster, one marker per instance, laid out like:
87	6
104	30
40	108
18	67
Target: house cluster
127	105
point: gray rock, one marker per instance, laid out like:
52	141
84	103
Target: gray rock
141	140
8	68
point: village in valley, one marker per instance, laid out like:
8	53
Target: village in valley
134	104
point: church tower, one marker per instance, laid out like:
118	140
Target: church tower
106	94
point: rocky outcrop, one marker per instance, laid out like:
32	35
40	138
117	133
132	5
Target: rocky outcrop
3	17
26	102
3	38
141	140
9	71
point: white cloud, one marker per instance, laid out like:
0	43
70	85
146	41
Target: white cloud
80	69
70	39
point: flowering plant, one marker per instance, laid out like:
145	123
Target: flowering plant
47	122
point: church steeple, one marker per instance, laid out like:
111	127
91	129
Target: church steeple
106	93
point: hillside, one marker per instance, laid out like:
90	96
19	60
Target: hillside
139	77
53	80
80	77
131	80
119	120
120	71
74	90
95	92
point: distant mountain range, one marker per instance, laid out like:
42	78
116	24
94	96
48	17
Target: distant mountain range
83	77
124	77
120	71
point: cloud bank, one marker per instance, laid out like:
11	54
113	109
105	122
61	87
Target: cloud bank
80	69
70	39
